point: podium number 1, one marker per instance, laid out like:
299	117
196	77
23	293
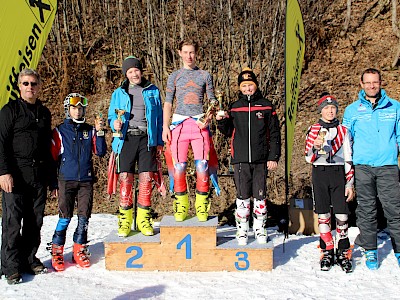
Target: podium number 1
188	241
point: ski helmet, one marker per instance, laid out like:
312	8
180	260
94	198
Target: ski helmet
74	99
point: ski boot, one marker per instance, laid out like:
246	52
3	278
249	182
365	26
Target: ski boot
57	257
144	222
260	233
181	207
81	255
202	206
397	255
371	259
343	259
327	259
242	229
125	219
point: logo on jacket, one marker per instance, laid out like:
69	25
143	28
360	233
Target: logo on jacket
85	134
259	115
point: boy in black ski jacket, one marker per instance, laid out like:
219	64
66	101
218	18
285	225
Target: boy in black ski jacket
252	123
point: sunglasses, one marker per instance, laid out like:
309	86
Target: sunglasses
26	83
74	101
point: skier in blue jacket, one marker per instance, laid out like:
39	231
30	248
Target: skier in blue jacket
374	123
73	144
136	113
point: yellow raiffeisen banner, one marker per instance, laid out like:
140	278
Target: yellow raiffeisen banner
24	27
294	54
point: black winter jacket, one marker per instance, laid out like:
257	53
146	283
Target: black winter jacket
254	128
25	136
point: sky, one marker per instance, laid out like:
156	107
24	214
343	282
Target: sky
295	274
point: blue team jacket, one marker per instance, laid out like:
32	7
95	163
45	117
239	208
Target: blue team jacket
375	132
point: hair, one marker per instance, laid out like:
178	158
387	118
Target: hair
29	72
188	42
370	71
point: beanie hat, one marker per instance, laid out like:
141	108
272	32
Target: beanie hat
131	62
327	99
247	76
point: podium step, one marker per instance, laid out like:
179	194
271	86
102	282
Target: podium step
186	246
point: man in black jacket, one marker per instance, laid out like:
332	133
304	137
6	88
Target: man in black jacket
255	148
25	137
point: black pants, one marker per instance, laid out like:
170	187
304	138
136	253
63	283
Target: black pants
251	180
71	191
25	204
373	182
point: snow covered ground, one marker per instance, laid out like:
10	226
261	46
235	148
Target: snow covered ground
296	275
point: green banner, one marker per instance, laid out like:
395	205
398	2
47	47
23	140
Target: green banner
294	55
24	27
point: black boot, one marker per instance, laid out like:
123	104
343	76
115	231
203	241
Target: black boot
343	259
327	259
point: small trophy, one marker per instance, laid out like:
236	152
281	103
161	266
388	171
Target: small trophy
211	108
120	113
99	118
322	133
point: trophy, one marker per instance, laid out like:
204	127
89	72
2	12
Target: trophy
120	113
220	96
211	108
99	118
324	147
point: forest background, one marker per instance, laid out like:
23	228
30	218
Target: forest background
89	40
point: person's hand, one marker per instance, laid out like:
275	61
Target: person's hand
272	165
349	193
221	115
117	125
160	150
6	183
99	124
166	135
318	143
54	193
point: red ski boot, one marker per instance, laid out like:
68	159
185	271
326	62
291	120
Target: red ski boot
57	257
81	255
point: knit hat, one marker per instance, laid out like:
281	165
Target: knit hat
327	99
247	76
131	62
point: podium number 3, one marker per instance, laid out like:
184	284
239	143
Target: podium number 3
188	241
242	256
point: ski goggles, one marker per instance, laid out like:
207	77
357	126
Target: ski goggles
74	101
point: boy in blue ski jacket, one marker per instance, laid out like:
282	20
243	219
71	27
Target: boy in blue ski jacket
73	143
135	117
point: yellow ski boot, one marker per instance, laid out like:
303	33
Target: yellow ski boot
181	207
144	221
202	205
125	219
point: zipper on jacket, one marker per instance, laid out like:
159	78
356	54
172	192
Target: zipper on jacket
78	142
248	99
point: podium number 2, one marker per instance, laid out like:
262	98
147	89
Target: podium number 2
139	254
188	241
242	256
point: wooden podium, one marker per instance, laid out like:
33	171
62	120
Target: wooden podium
185	246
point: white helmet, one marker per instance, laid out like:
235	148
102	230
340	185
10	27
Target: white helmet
75	99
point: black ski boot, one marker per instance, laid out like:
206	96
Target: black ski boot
327	259
343	259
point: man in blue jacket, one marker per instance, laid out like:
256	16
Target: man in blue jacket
136	112
374	123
